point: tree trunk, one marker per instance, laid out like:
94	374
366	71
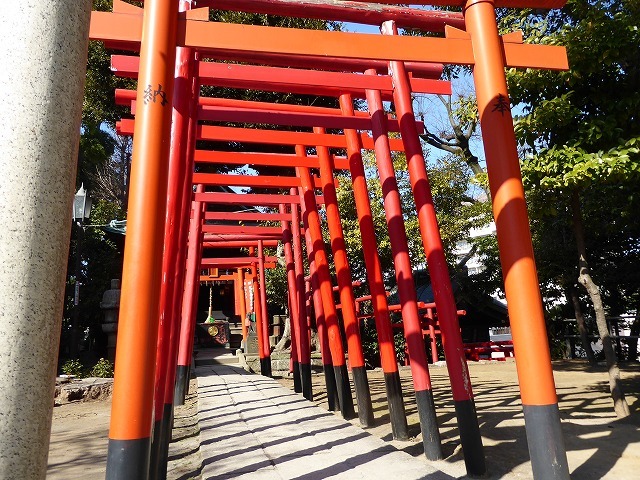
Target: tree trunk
315	341
285	340
632	356
584	278
582	328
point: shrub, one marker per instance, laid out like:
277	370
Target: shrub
73	367
102	369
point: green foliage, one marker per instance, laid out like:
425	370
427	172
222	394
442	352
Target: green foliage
457	213
561	167
369	337
73	367
277	289
96	147
594	104
102	369
99	104
582	136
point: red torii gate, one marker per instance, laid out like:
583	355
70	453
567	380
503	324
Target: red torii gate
364	390
537	387
433	451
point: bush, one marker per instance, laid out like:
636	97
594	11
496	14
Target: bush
73	367
102	369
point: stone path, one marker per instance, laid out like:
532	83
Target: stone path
253	428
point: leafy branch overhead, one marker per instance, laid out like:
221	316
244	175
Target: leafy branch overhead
564	166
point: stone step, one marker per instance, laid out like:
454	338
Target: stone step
215	356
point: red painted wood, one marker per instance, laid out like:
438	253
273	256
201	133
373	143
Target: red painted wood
238	243
430	233
251	239
256	43
264	159
338	247
543	4
313	226
288	80
220	109
246	216
345	11
422	70
264	325
250	199
263	78
378	295
399	245
292	287
269	137
213	262
262	181
240	229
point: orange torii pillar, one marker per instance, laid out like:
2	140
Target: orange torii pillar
438	271
181	259
189	301
132	405
343	274
321	325
241	300
292	297
312	224
377	291
526	314
181	280
304	338
262	326
404	278
173	263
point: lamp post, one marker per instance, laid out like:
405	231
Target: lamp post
81	211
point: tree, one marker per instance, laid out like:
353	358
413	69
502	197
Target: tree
449	178
581	131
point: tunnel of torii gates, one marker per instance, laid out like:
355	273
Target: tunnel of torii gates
169	199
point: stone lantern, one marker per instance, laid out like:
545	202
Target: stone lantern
111	305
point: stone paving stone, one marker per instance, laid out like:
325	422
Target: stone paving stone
253	428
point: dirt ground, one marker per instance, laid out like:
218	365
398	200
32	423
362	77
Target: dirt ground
80	435
599	446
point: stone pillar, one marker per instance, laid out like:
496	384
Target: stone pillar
110	306
43	52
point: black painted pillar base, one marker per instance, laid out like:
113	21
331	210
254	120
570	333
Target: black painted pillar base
128	459
305	376
363	396
265	366
156	446
546	443
167	430
429	425
397	414
332	391
470	438
181	386
297	380
343	387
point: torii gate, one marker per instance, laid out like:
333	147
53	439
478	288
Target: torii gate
478	16
480	47
417	348
124	66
